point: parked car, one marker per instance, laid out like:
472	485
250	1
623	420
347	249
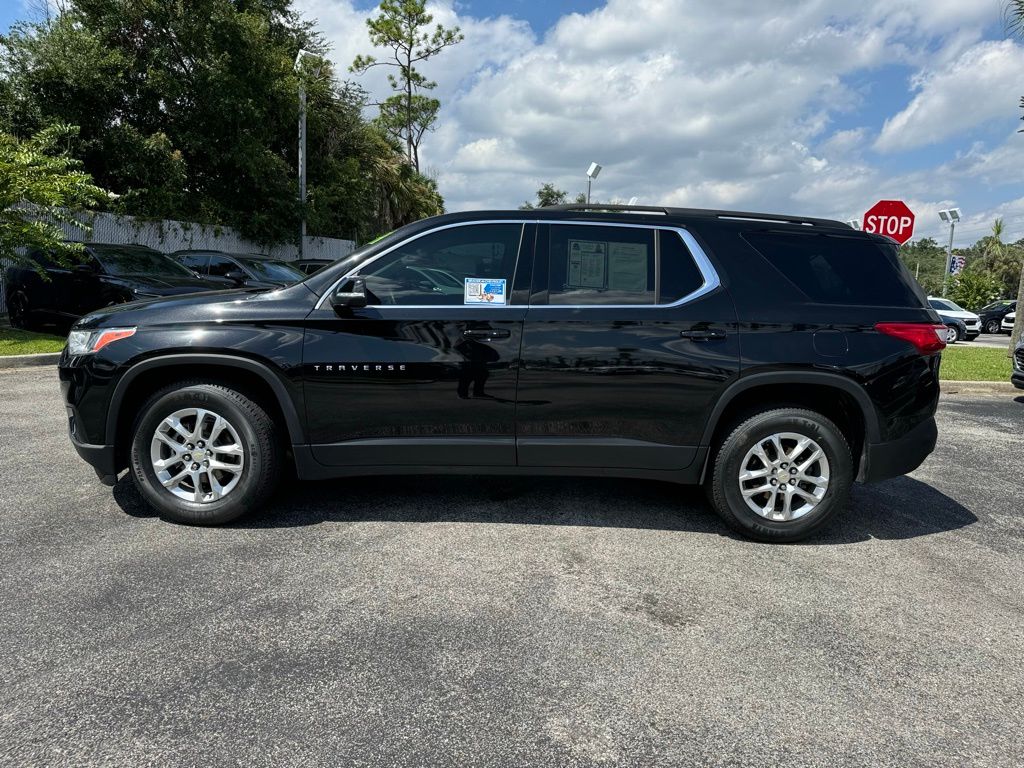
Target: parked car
1017	375
969	325
1008	319
620	342
992	314
310	266
107	275
233	270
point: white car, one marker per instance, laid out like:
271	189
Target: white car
1007	325
948	309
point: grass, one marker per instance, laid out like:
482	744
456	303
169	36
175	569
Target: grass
15	342
963	363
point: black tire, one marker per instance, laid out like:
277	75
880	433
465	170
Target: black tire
992	326
723	484
18	311
256	431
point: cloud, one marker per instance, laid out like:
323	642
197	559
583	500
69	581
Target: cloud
981	85
724	104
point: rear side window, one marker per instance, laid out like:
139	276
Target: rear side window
833	269
601	265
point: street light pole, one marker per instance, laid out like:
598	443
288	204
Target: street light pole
302	149
592	172
302	170
952	216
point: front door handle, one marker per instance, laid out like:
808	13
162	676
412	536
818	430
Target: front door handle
710	335
486	333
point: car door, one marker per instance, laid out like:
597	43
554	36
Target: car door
218	269
627	344
425	375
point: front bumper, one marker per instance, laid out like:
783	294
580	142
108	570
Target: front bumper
897	457
1017	379
101	457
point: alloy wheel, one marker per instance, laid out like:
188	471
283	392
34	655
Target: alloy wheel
951	335
197	455
784	476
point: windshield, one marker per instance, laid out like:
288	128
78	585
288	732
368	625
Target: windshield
945	304
273	270
138	261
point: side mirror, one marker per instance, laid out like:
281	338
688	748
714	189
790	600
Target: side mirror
350	295
83	269
236	276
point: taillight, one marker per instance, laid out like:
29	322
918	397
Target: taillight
926	337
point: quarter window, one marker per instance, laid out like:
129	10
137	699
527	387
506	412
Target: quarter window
595	265
446	268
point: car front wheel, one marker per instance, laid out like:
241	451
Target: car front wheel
952	334
781	474
204	454
992	326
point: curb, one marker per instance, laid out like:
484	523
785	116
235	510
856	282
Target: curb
978	388
24	361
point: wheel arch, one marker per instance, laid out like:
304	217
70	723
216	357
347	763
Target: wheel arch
837	397
249	376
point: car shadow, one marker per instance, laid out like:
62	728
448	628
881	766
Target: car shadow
902	508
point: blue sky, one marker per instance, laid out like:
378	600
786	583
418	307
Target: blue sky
818	107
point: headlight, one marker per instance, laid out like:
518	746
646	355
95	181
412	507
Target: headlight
88	342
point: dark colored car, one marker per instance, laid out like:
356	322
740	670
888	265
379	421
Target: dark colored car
1017	375
233	270
311	266
107	275
773	359
992	314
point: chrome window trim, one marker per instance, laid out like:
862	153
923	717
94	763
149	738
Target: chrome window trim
707	270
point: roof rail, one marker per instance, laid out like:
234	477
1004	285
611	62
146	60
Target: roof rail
768	218
607	207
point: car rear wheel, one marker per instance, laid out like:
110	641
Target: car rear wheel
780	475
204	454
992	326
18	310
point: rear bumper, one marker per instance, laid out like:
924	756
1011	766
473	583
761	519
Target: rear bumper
897	457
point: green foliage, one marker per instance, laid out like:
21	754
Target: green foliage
188	110
926	260
402	26
972	289
549	194
40	186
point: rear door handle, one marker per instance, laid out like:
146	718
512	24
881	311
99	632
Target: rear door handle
703	335
486	333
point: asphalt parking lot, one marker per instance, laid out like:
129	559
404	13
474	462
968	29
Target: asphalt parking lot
488	622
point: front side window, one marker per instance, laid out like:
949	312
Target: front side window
600	265
273	270
452	267
196	261
221	265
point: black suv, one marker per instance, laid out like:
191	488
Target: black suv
773	359
236	270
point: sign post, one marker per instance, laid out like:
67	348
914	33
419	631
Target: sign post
891	218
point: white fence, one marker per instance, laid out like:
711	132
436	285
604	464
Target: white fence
167	236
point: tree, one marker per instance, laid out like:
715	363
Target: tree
973	289
402	26
40	187
1015	16
188	111
548	194
926	260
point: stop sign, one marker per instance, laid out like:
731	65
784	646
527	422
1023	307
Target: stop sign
891	218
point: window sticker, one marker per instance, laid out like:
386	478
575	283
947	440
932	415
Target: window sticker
482	290
627	267
587	264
